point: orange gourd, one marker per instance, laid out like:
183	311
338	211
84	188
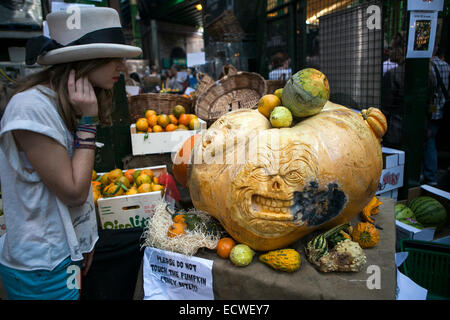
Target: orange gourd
175	229
366	235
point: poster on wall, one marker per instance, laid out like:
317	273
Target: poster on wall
426	5
422	34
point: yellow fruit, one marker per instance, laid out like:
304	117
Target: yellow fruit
178	110
182	127
194	124
142	124
173	119
142	179
124	180
148	172
171	127
132	191
115	174
157	187
278	93
157	128
281	117
94	175
267	103
104	179
152	120
149	112
163	120
145	187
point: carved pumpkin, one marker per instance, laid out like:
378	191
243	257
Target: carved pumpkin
269	187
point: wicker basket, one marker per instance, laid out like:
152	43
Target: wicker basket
236	90
205	81
273	85
160	102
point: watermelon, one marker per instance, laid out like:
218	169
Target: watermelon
411	222
428	211
402	212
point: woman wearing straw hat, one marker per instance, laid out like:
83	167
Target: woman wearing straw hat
47	148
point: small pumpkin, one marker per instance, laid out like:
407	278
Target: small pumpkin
175	229
371	209
224	247
366	235
376	121
287	260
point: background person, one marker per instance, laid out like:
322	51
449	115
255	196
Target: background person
47	149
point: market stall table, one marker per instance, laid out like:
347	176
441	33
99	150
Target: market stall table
377	280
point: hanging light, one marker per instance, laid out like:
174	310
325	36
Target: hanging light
199	7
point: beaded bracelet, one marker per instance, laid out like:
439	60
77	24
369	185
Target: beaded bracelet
86	128
89	120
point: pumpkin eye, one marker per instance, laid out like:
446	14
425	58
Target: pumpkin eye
293	176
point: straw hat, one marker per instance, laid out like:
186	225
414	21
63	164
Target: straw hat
80	33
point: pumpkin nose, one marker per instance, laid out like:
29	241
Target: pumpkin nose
276	184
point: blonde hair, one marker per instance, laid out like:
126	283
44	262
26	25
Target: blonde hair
56	77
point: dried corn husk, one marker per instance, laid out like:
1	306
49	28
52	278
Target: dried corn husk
155	233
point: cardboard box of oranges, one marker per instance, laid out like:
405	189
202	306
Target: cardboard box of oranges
163	133
122	208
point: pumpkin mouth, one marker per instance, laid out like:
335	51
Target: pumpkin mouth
271	208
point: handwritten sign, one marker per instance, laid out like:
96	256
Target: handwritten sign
173	276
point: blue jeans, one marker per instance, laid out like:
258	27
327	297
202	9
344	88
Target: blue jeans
58	284
430	159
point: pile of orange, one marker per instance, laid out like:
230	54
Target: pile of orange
178	120
118	183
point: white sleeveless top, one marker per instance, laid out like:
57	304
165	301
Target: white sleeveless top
41	231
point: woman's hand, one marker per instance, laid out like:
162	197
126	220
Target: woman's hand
87	262
82	95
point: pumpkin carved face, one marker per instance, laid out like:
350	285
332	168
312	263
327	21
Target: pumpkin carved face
269	187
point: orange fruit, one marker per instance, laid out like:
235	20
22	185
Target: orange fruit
179	218
267	103
171	127
104	179
175	230
182	127
152	120
163	120
142	124
178	110
142	179
124	180
145	187
148	172
149	112
155	180
94	175
184	119
194	124
224	247
131	191
157	128
115	174
96	195
173	119
96	185
157	187
149	129
129	174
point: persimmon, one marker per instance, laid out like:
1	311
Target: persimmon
171	127
184	119
152	120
